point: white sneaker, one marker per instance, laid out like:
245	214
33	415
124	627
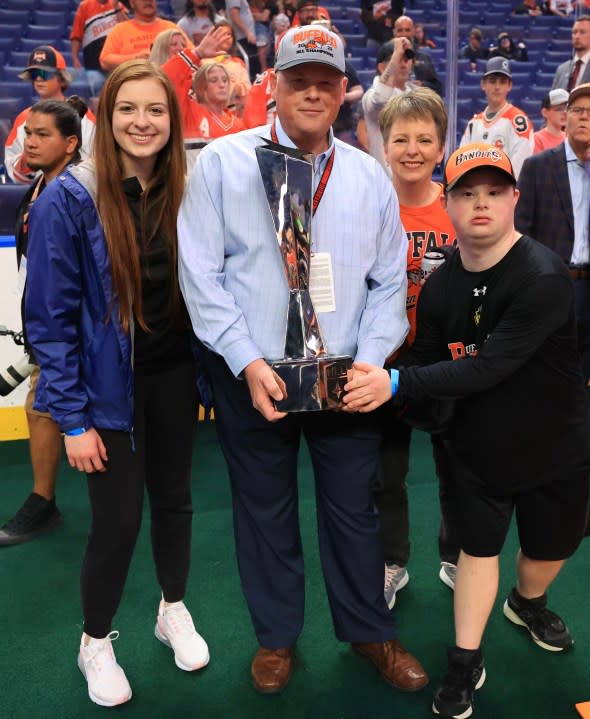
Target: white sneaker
396	578
448	574
107	683
175	628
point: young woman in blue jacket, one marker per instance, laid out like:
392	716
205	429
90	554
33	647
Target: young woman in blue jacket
110	331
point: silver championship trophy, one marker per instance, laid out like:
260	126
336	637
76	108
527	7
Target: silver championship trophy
313	379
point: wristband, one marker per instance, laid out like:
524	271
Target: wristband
75	432
394	374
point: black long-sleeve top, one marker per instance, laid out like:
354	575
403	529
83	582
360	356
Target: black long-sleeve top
502	344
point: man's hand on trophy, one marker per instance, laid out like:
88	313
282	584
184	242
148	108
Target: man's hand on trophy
265	386
369	388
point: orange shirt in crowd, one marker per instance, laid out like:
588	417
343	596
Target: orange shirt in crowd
544	140
132	39
201	122
260	104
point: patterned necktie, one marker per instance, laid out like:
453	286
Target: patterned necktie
574	76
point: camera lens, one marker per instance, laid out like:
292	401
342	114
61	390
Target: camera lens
409	54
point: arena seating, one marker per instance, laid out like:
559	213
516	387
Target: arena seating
29	23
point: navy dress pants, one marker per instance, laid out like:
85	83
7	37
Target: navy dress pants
262	462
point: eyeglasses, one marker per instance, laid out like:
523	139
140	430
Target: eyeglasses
579	111
42	74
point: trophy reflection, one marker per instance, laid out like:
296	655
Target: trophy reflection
314	379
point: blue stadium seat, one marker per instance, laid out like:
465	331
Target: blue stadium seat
544	79
19	89
357	62
46	34
495	19
7	42
354	41
473	93
56	5
346	26
10	106
56	18
28	44
14	17
19	59
366	78
19	4
80	88
11	74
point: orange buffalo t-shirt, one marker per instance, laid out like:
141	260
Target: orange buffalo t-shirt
130	38
427	228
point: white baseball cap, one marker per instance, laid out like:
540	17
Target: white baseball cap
310	43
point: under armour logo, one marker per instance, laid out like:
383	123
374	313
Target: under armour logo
477	291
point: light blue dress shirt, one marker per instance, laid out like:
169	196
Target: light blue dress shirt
579	177
231	271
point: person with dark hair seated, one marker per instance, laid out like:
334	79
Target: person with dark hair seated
506	47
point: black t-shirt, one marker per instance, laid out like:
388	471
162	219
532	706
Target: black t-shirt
168	341
502	344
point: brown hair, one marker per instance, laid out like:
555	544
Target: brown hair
161	196
201	80
420	103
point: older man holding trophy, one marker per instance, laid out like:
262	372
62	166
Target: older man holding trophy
292	264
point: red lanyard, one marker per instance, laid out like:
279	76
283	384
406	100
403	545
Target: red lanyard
323	179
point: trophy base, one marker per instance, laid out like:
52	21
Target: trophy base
312	384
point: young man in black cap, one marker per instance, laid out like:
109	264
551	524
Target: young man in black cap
47	71
501	124
500	358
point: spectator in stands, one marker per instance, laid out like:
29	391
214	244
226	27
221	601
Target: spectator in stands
576	71
53	137
414	128
379	18
46	70
395	60
232	57
198	19
109	329
93	21
210	117
279	26
528	7
309	11
424	70
496	323
554	205
501	124
261	15
563	8
422	41
506	47
167	44
554	112
181	70
242	21
134	38
474	50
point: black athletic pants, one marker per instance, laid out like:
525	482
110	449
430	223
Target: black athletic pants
165	418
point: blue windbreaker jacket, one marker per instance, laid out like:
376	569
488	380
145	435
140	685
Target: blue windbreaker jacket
71	315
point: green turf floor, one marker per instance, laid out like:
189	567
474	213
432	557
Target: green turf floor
41	623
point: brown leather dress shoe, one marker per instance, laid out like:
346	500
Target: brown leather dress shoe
395	664
271	669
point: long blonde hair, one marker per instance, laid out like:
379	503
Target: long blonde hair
161	196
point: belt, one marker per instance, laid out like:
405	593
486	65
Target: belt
580	272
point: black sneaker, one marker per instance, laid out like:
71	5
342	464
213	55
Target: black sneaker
37	516
546	628
453	697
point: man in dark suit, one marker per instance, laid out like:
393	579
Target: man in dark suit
554	205
576	71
